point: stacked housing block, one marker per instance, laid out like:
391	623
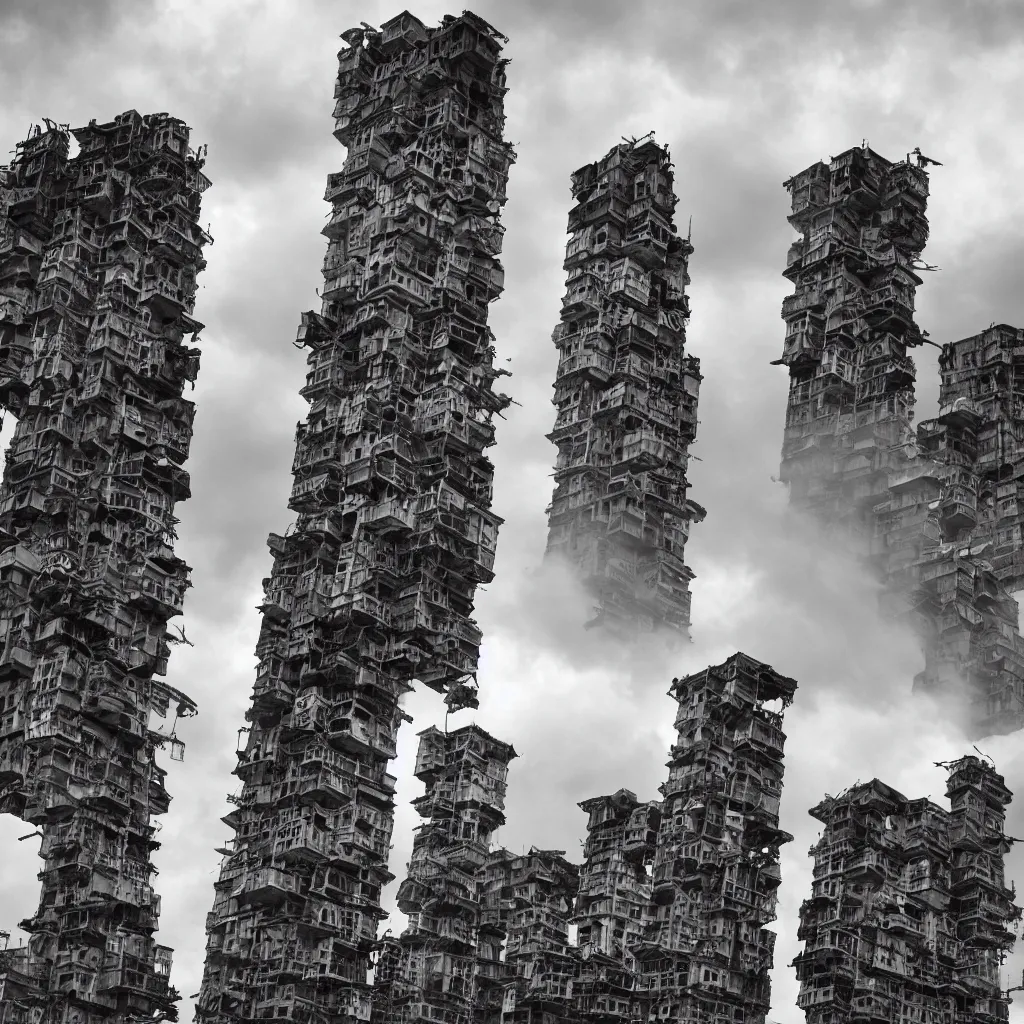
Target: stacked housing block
429	972
540	963
613	904
669	911
849	325
972	459
626	394
705	954
374	586
909	916
98	261
934	510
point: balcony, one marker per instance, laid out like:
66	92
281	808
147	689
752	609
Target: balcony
870	1008
164	296
361	732
864	864
389	515
595	366
902	924
269	885
327	788
301	841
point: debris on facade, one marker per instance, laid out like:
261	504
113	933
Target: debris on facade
705	953
428	973
98	261
909	916
626	395
374	586
934	510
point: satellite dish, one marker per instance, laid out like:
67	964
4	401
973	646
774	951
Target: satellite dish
353	36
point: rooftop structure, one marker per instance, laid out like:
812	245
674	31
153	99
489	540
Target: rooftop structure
626	394
374	586
909	914
98	261
705	954
933	510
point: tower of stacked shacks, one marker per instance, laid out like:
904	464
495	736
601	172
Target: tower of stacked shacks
540	963
966	575
626	394
909	914
494	886
374	585
849	325
98	261
705	953
429	972
909	500
614	899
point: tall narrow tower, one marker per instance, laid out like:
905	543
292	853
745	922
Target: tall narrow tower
613	903
705	953
98	262
374	586
626	395
429	972
935	511
849	326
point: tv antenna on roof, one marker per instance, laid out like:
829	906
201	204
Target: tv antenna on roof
633	141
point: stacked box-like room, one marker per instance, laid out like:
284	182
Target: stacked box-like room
909	916
374	586
430	972
626	394
98	261
705	953
494	888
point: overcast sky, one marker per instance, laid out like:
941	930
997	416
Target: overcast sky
745	94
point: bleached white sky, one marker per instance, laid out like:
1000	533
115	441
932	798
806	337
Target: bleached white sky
745	93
